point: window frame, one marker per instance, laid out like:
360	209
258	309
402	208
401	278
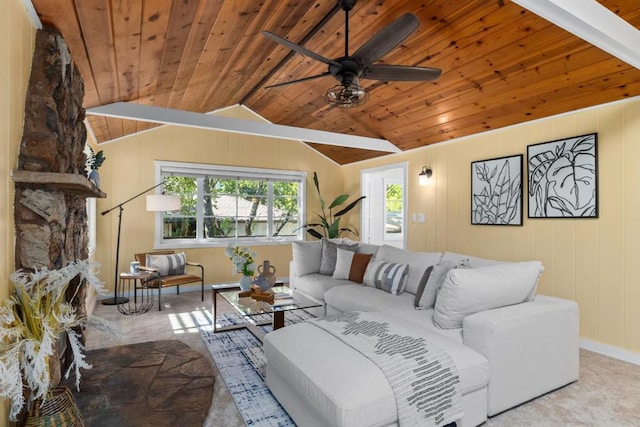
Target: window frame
201	169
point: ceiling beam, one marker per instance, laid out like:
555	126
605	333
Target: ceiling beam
593	23
147	113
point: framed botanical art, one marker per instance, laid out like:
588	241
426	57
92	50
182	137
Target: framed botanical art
496	191
563	178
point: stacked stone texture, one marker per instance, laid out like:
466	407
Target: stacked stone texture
51	226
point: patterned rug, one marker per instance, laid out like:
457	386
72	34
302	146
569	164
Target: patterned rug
239	358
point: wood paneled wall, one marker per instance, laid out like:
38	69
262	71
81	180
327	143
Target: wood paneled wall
129	169
593	261
16	49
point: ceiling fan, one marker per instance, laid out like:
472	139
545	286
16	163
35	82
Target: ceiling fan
349	68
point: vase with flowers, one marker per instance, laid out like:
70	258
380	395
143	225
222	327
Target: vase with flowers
31	320
243	263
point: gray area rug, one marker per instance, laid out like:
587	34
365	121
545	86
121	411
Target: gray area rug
158	383
240	360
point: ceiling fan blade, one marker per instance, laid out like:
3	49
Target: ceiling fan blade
386	39
400	73
300	49
304	79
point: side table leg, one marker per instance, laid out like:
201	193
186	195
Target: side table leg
278	319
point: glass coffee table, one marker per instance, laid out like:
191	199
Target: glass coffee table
248	308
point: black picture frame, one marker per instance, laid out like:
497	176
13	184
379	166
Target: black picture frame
563	178
496	191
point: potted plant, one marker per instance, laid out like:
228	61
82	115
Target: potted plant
243	262
31	320
94	161
329	222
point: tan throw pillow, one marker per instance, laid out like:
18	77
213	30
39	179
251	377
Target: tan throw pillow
351	265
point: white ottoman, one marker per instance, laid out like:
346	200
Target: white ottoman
321	381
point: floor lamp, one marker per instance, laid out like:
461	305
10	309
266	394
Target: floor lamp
155	203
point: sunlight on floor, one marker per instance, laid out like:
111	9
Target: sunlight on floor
188	322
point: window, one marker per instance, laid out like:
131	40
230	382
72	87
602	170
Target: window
223	204
393	209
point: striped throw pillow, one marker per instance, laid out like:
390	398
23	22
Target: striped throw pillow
168	265
387	276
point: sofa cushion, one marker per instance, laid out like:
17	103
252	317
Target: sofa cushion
435	280
351	265
362	298
387	276
317	284
167	265
330	255
306	257
468	291
342	299
475	262
418	262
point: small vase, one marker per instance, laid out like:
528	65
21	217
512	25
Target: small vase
95	177
245	282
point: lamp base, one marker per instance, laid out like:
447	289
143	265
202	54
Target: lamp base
114	301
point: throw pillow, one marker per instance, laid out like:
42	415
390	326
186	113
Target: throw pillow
351	265
475	262
469	291
330	255
167	265
418	262
306	257
434	283
421	287
387	276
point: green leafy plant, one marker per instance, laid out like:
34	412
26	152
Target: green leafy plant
31	320
95	160
329	222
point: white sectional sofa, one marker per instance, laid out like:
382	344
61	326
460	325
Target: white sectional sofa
509	346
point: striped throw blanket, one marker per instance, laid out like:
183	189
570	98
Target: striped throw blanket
423	377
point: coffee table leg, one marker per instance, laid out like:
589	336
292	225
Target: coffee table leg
278	320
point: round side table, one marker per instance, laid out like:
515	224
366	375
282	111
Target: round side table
130	284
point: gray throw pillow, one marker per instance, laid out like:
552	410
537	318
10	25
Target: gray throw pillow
330	255
306	257
435	281
421	286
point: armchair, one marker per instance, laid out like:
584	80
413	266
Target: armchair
170	277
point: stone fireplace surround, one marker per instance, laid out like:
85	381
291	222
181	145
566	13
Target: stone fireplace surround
50	181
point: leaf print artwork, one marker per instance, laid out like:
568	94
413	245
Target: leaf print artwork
563	178
496	191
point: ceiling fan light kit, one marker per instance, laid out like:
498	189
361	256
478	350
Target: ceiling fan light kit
349	68
346	96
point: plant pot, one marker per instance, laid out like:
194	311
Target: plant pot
245	282
58	409
95	177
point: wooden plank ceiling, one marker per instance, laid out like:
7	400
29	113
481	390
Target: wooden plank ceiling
501	64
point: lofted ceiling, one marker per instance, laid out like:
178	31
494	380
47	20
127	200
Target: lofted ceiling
501	64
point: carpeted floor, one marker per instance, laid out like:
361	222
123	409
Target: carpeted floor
607	394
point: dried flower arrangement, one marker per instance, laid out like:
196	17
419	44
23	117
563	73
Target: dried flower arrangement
31	320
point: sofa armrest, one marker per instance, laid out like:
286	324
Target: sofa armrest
532	348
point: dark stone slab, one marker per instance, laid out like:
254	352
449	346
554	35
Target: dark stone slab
159	383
